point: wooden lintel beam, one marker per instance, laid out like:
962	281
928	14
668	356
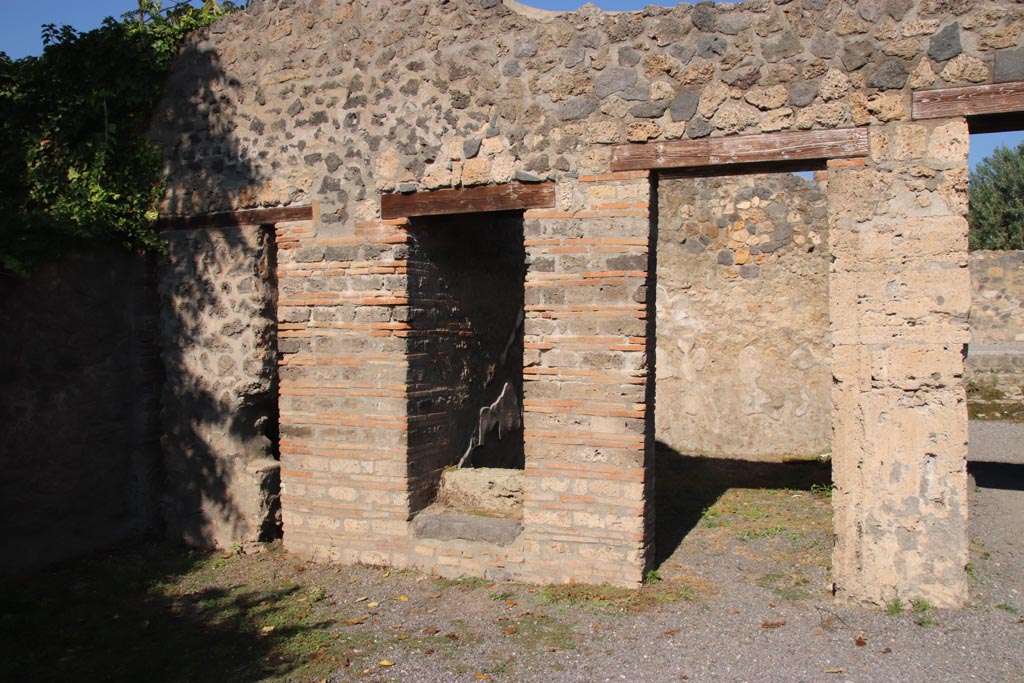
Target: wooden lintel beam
971	100
504	197
742	149
271	216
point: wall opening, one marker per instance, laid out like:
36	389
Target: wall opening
994	362
743	338
743	344
465	376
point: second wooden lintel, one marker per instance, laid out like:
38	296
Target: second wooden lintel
503	197
742	149
969	100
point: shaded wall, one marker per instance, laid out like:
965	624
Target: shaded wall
79	376
219	403
744	354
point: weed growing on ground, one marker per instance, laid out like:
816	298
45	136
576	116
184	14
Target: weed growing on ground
921	608
770	532
466	583
823	490
894	607
1009	608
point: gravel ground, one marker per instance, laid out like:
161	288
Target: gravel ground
756	604
741	595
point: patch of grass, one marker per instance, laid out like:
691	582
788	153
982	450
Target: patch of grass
466	583
622	600
502	596
921	609
969	568
894	607
920	606
590	595
1009	608
823	490
794	587
541	633
652	576
769	532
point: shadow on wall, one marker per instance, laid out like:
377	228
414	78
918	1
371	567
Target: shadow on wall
687	486
217	325
80	383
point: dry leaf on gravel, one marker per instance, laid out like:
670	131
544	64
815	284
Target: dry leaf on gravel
773	624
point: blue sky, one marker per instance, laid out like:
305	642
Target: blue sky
21	21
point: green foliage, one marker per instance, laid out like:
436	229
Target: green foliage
997	201
77	167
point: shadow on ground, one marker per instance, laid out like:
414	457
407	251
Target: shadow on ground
151	614
997	475
687	486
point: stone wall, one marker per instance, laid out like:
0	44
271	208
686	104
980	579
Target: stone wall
219	413
744	359
995	358
997	303
78	420
332	102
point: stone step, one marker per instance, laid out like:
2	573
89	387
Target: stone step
484	490
441	524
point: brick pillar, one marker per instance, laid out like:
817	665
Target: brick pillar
342	313
899	295
587	508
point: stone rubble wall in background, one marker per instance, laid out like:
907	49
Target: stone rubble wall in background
79	428
995	357
218	346
744	356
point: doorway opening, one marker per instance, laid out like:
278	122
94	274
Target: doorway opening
743	406
465	374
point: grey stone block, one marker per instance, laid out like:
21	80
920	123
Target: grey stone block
684	106
891	75
1009	65
945	44
451	526
614	79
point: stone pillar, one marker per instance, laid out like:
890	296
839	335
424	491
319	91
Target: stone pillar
900	295
342	326
587	501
